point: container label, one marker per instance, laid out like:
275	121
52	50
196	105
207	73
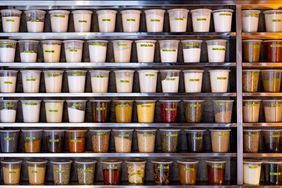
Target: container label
192	44
98	44
275	173
77	105
253	166
28	138
276	136
60	171
76	140
179	19
28	51
225	14
8	138
8	105
150	75
122	44
163	167
112	167
194	105
252	104
106	19
155	20
201	19
59	15
100	108
130	20
99	76
10	20
251	15
100	133
170	109
276	45
171	134
146	45
35	20
54	140
73	50
12	172
49	51
148	134
32	79
51	110
276	105
187	169
34	171
8	82
31	103
54	74
145	105
221	78
168	50
194	80
220	103
222	134
219	49
88	170
124	81
217	166
170	79
123	135
255	46
276	20
197	137
77	73
82	21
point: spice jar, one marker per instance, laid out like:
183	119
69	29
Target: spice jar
73	51
271	140
136	171
251	50
36	171
111	172
100	140
169	50
123	111
11	169
146	140
100	110
122	50
54	140
223	110
85	171
61	171
169	110
272	172
216	171
250	80
162	171
8	111
251	110
220	140
145	111
76	140
195	139
187	170
148	80
124	80
53	80
32	140
51	51
9	141
97	50
35	20
169	139
251	171
11	20
271	80
76	80
251	138
28	51
272	110
123	140
54	110
193	110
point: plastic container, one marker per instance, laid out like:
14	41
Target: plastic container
273	20
61	171
146	140
106	20
251	50
100	140
73	50
100	110
8	111
124	80
193	80
76	110
53	80
32	140
191	51
7	51
136	171
271	140
201	20
251	110
251	138
273	50
31	80
31	110
250	20
11	169
162	171
8	81
170	81
35	20
99	81
28	50
51	50
271	80
178	19
123	111
187	170
11	20
154	20
223	110
59	20
272	110
97	50
76	80
220	140
169	140
123	140
145	51
216	171
122	51
54	110
222	19
272	172
252	171
82	20
54	140
130	20
195	140
111	172
216	50
9	141
169	50
250	80
219	80
36	171
193	110
145	111
148	80
76	140
85	171
169	111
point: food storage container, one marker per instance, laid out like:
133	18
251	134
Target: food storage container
51	50
148	80
53	81
170	81
7	51
31	110
193	110
100	140
124	80
169	140
122	51
201	20
100	110
154	20
106	20
251	50
76	110
251	138
193	80
73	50
272	172
220	139
123	111
273	50
252	171
123	140
85	171
59	20
250	20
271	80
99	81
273	20
54	111
250	80
32	140
54	139
169	50
82	20
146	140
61	169
9	140
35	20
216	171
8	111
136	171
223	110
216	50
162	171
178	19
11	169
97	50
187	170
76	80
251	110
8	81
271	140
36	169
28	50
219	80
222	19
145	51
76	140
145	111
195	140
272	110
31	80
11	20
191	51
130	20
111	172
169	110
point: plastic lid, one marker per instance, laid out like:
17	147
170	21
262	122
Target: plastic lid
169	130
77	131
85	161
220	130
121	101
223	10
123	130
51	42
76	71
256	11
76	101
55	101
7	40
24	101
92	41
272	11
188	161
9	131
53	130
81	12
160	41
192	71
162	161
272	162
61	161
131	11
145	130
28	41
111	162
139	161
195	130
99	130
100	100
105	71
106	11
10	10
251	161
59	12
145	41
252	40
11	161
154	10
67	41
251	130
32	130
194	100
223	100
178	9
145	101
129	71
164	101
148	70
201	10
222	161
37	11
37	161
172	70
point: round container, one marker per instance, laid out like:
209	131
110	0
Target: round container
169	140
146	140
178	19
216	50
273	20
73	50
82	20
193	80
148	80
11	20
169	50
8	81
195	140
216	171
32	140
9	141
271	80
61	171
100	110
130	20
273	49
222	19
145	111
272	110
169	111
193	110
220	140
251	50
250	19
97	50
201	20
31	110
251	111
76	110
99	81
170	81
36	171
76	80
187	170
136	171
76	140
123	111
53	80
250	80
106	20
191	51
223	110
54	140
122	51
35	20
219	80
28	50
31	80
54	111
100	140
251	138
51	50
85	171
145	51
154	20
7	51
59	20
124	80
252	170
162	171
272	172
111	172
123	140
8	111
272	140
11	169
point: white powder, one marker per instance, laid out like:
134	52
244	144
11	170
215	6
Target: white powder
154	20
99	84
252	174
31	111
124	83
8	84
82	22
59	22
219	80
53	82
106	20
122	52
76	84
222	21
201	21
75	115
131	20
51	52
148	81
193	82
192	55
7	55
273	22
216	53
170	84
31	82
73	55
145	52
11	23
97	53
28	57
8	115
178	20
35	26
54	112
169	55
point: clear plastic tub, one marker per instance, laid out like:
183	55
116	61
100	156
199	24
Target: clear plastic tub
273	50
100	110
148	80
223	110
216	50
54	110
187	170
272	110
146	140
123	111
170	81
251	138
73	50
111	172
123	140
191	51
32	140
59	20
35	20
169	110
31	110
169	140
82	20
178	19
7	51
201	20
124	80
107	20
195	140
162	170
76	140
54	139
145	51
145	111
100	140
61	171
251	110
97	50
154	20
99	81
51	50
8	81
76	110
8	111
250	20
130	20
220	140
216	171
193	80
85	171
76	80
273	20
271	80
219	80
136	171
28	50
11	20
250	80
9	141
193	110
271	140
122	50
251	50
272	172
31	80
222	19
36	171
11	169
251	171
53	81
169	50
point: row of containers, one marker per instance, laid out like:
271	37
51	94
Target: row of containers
122	50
